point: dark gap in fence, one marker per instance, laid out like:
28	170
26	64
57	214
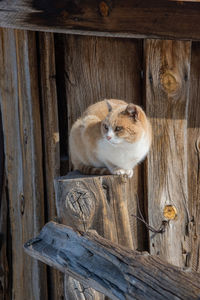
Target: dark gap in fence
143	200
62	103
42	126
46	215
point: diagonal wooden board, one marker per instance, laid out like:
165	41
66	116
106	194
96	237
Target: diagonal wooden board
117	272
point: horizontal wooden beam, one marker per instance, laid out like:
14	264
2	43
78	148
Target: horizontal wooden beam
131	18
115	271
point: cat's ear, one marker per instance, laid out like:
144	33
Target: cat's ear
109	106
132	111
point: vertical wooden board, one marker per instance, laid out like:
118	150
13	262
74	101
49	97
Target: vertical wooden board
98	68
167	86
100	202
94	202
194	158
51	165
19	101
49	116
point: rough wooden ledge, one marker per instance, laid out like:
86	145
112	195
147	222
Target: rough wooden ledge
133	18
109	268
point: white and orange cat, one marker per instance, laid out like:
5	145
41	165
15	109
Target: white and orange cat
111	134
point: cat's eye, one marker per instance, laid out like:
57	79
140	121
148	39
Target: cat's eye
118	128
105	126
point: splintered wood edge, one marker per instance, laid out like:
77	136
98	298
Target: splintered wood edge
109	268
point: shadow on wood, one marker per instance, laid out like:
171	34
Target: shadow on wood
115	271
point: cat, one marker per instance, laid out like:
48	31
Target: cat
111	137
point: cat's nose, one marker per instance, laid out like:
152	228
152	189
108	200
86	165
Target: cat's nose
108	137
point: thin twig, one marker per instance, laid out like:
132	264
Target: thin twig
149	227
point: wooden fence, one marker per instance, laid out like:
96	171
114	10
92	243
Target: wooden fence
46	82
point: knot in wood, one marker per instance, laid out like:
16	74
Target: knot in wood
104	9
169	82
81	203
170	212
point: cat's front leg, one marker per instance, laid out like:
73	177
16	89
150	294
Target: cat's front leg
119	171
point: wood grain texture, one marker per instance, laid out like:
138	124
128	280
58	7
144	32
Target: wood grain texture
152	18
193	139
167	87
50	133
94	202
116	271
98	68
49	116
23	156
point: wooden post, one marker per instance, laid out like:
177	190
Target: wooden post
167	87
91	69
19	100
96	202
117	272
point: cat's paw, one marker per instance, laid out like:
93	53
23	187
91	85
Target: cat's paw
129	173
117	171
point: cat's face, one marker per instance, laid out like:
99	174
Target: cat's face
124	125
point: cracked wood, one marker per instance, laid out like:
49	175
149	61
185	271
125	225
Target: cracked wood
167	97
117	272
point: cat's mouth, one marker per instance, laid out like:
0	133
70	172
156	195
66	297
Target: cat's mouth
114	142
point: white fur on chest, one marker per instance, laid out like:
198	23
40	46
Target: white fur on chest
124	155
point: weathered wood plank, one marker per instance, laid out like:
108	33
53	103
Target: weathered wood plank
94	69
152	18
97	202
19	102
99	68
51	166
193	138
49	116
112	269
167	86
